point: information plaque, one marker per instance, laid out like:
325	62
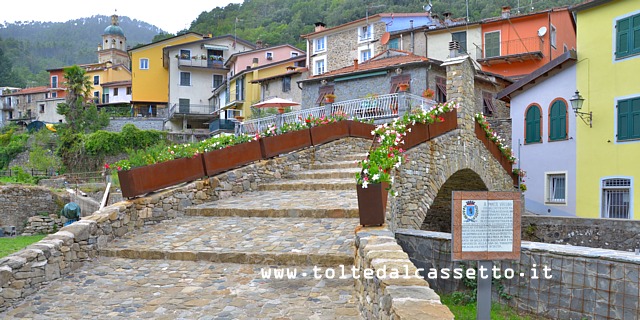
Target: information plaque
486	225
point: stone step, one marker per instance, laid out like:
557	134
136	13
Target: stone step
310	184
272	241
351	157
349	173
335	165
283	204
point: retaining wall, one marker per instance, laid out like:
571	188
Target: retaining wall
19	202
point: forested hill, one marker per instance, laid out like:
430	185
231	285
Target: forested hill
282	21
32	47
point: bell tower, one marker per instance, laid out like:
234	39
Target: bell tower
114	44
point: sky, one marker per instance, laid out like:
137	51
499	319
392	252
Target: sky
167	15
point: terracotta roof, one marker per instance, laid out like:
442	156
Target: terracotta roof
372	17
117	83
588	5
518	16
42	89
377	62
288	73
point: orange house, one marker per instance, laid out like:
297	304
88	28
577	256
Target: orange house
516	45
56	83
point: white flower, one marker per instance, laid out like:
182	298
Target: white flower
409	130
392	180
365	184
366	171
397	165
373	132
375	177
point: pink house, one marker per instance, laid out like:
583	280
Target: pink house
243	60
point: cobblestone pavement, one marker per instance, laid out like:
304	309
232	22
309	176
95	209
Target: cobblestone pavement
114	288
207	264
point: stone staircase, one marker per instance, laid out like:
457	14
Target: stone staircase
211	261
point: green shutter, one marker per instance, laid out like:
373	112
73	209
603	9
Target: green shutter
634	36
623	120
532	125
622	37
491	44
634	119
558	121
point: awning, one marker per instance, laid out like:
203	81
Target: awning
215	47
359	76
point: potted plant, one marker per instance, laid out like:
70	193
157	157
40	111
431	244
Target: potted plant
403	87
361	128
494	143
290	137
330	98
375	181
227	152
428	94
326	129
445	118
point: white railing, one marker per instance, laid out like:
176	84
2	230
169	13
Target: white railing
300	115
258	125
378	107
414	101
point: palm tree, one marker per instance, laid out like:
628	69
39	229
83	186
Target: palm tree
78	90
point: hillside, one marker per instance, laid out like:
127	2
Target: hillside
32	47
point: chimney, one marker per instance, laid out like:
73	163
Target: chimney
411	24
447	18
355	64
454	46
506	12
320	26
258	44
254	63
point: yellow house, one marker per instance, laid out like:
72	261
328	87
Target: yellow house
150	78
608	140
104	73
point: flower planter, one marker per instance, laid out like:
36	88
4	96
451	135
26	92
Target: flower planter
138	181
360	129
283	143
329	132
372	203
232	157
450	123
419	134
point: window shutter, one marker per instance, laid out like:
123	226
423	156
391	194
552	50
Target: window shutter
634	36
623	119
532	130
492	44
634	119
622	37
558	121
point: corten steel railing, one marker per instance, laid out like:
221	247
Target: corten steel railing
518	46
382	107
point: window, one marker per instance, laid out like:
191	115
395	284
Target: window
616	198
269	55
552	36
441	89
320	45
128	90
185	54
183	105
41	108
286	84
185	79
492	44
105	97
558	121
96	96
96	80
240	89
533	124
397	80
115	92
217	80
364	33
319	67
365	55
323	91
28	98
627	36
144	64
556	188
488	107
629	119
54	81
394	43
54	94
294	54
461	37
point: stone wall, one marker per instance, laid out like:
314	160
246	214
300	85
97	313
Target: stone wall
25	272
584	282
44	224
19	202
615	234
115	125
342	47
382	295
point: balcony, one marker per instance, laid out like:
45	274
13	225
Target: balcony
222	125
191	110
215	63
518	50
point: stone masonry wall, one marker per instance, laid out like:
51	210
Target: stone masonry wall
584	283
615	234
115	125
382	295
342	47
44	224
18	203
25	272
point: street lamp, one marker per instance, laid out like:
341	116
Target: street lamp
576	104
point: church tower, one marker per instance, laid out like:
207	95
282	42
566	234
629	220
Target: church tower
114	44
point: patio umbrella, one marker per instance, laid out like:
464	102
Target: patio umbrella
276	103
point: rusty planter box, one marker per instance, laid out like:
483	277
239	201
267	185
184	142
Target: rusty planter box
419	134
372	203
329	132
231	157
138	181
450	123
361	130
283	143
492	147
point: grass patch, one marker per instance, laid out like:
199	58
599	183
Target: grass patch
498	311
11	245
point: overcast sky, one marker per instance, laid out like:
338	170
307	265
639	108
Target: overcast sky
167	15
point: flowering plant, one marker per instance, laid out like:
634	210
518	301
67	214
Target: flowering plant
493	136
428	93
522	174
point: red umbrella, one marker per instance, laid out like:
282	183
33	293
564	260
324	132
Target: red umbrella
276	103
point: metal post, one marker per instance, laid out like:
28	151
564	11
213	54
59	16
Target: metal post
327	109
484	291
403	106
279	120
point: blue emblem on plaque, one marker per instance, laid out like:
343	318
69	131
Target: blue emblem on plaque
470	211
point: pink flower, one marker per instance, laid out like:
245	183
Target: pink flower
106	166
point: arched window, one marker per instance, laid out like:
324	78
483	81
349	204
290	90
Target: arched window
558	120
533	124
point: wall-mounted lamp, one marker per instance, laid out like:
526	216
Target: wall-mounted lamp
576	104
323	82
399	71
